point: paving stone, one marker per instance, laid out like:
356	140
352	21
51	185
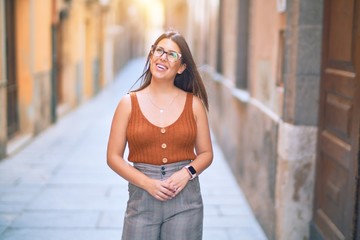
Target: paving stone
223	200
215	234
245	233
17	193
56	219
6	207
75	198
6	219
113	219
211	210
87	177
118	191
61	234
229	222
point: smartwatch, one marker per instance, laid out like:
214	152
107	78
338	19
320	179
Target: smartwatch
191	170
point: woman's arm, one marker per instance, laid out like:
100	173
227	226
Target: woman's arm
203	145
203	148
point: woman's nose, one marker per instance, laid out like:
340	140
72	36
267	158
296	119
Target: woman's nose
164	56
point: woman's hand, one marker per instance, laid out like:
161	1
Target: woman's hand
178	181
161	190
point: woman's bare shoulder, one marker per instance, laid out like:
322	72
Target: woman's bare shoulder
125	103
197	103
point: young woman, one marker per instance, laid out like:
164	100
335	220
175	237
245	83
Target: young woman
165	125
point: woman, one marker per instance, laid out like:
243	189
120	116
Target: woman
163	122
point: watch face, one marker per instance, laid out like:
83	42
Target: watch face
192	170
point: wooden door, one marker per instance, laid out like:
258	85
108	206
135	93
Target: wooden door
335	207
11	87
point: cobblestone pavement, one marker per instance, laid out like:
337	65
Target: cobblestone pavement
59	186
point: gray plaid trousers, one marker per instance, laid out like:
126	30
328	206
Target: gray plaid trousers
180	218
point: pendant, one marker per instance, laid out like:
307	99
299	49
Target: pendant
161	110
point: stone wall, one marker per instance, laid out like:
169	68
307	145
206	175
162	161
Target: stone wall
248	137
273	161
295	179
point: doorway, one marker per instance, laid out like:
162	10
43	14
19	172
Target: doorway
336	201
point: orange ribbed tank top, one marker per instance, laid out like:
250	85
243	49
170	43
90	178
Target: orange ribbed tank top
151	144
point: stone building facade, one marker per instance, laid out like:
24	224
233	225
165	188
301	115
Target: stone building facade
57	54
261	61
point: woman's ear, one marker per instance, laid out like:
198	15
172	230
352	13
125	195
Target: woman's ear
182	68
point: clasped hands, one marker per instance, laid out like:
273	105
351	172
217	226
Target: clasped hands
164	190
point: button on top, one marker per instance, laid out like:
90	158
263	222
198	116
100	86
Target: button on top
163	168
164	160
163	130
163	145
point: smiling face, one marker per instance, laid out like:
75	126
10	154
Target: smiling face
161	67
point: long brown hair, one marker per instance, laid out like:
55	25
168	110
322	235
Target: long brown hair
189	80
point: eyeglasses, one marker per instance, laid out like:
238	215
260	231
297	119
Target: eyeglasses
171	56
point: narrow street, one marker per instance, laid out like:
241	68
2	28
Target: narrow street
59	186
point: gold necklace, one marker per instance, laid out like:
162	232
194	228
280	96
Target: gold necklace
161	109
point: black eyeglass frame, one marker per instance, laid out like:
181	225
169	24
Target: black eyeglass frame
154	47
